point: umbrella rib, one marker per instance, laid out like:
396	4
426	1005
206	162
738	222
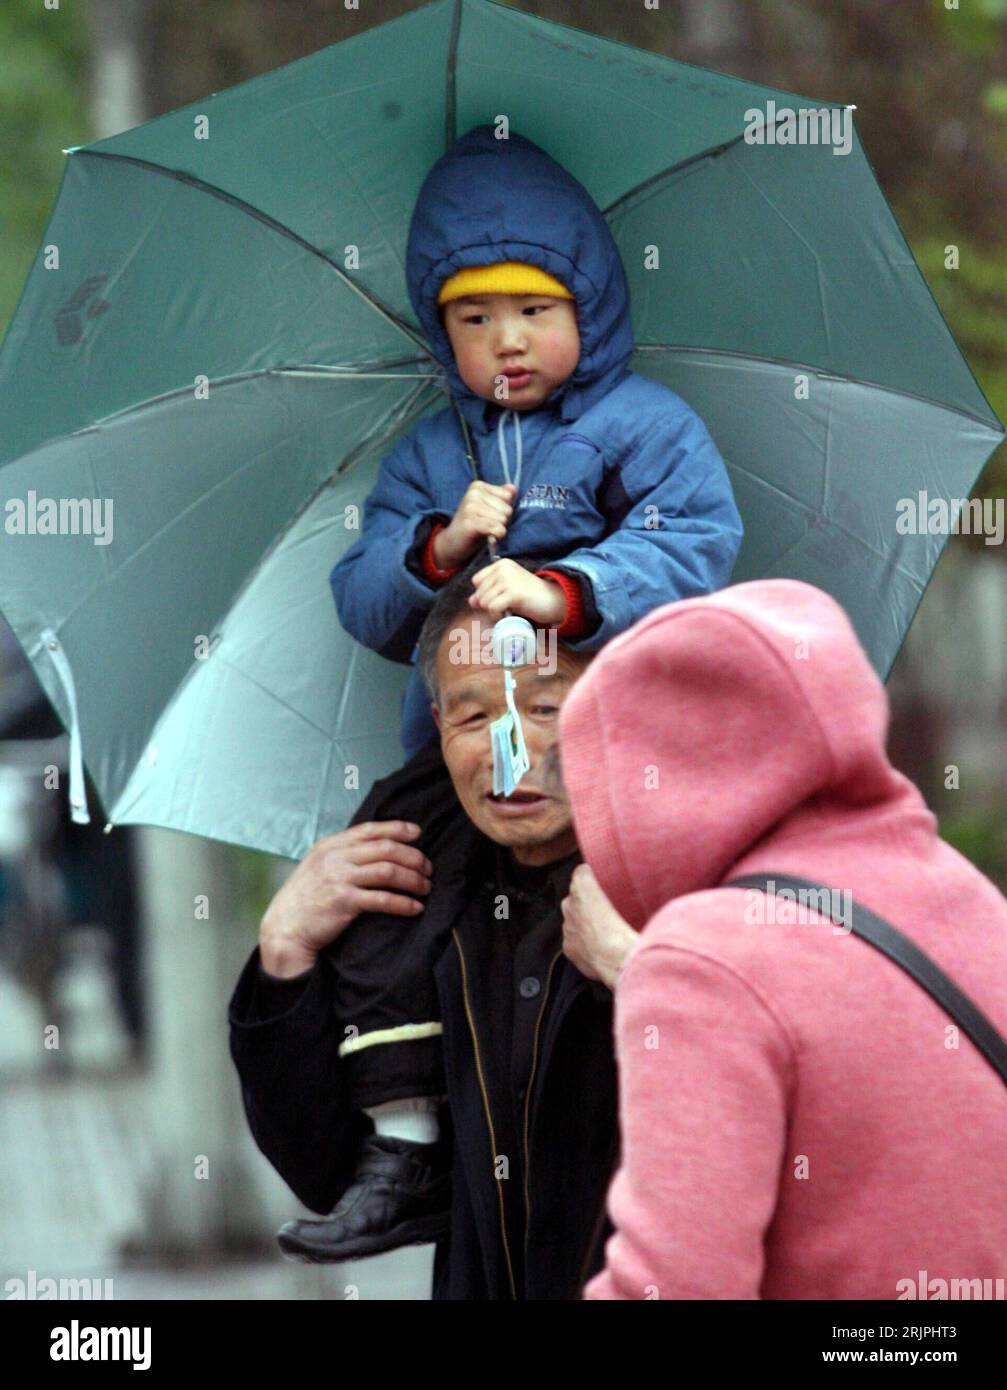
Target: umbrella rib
264	217
323	782
826	327
831	376
242	589
284	704
308	369
323	369
405	418
806	508
825	375
712	152
450	94
250	579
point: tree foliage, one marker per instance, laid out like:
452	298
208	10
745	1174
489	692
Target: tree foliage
43	63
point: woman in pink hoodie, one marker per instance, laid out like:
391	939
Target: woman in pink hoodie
799	1118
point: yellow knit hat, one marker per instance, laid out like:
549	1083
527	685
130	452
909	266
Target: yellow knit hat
502	277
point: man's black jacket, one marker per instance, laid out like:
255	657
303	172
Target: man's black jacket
295	1096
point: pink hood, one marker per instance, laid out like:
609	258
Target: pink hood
711	723
802	1122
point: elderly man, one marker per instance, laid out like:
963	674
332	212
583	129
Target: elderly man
528	1069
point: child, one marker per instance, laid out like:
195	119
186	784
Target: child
520	289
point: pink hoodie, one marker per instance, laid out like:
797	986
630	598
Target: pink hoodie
798	1118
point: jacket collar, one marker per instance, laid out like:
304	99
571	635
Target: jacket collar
569	401
478	862
548	884
482	416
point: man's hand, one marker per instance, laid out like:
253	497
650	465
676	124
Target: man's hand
595	938
485	510
369	867
504	586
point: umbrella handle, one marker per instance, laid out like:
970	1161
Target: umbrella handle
491	542
510	628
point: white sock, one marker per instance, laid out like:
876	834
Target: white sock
413	1118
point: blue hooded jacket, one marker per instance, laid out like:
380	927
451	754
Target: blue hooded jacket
621	486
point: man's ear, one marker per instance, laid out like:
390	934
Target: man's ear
437	716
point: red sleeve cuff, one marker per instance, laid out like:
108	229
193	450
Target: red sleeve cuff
435	575
574	624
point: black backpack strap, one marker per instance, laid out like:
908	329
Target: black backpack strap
897	947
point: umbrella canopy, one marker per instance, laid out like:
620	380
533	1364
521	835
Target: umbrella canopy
215	349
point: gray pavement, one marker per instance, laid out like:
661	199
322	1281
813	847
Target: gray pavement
78	1159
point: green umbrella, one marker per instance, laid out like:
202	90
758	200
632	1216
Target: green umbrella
216	343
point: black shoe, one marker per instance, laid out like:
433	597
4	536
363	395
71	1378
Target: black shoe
400	1195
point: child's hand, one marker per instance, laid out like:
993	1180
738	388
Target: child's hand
485	510
504	586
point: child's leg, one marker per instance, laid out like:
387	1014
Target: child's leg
384	993
413	1118
386	1002
393	1072
391	1058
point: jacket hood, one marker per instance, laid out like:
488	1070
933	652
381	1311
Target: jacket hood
490	200
715	728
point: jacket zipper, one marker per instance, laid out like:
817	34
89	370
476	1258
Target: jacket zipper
486	1108
527	1099
602	1212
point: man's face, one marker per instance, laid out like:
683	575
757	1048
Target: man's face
472	695
494	335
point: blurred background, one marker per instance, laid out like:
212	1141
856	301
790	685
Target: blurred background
123	1151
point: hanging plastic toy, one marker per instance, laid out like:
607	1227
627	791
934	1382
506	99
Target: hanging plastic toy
513	645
